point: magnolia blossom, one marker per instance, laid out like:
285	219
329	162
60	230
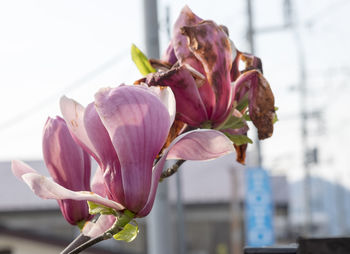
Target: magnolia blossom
200	77
124	130
201	66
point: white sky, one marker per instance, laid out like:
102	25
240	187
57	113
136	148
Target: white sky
46	47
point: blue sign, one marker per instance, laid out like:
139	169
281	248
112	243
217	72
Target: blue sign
258	208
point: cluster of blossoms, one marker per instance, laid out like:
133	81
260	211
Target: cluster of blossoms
192	106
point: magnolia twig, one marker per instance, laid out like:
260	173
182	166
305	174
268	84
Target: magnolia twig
172	170
105	236
75	243
117	226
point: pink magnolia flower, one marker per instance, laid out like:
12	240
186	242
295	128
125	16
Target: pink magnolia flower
124	130
69	165
201	80
201	66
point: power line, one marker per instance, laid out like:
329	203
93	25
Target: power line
325	12
74	85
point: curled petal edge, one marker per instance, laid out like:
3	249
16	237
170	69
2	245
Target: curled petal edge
47	189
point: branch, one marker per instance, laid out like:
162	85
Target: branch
172	170
76	243
105	236
117	226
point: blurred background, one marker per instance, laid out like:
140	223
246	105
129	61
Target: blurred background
51	48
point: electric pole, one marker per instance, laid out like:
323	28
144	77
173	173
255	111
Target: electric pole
159	231
250	39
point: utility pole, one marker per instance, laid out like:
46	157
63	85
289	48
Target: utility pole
158	223
236	238
181	230
289	22
304	132
250	38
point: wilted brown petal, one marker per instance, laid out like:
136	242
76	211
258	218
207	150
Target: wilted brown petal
261	105
241	153
216	59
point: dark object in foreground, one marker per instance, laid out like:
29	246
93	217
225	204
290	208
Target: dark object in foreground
270	250
340	245
324	245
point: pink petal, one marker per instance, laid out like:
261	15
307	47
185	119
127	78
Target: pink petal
103	223
138	124
20	168
98	183
189	105
47	189
103	146
200	145
74	211
193	145
73	113
167	97
98	135
169	55
68	164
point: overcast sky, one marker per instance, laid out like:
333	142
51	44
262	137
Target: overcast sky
50	48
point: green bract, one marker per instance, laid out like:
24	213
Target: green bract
100	209
239	139
233	123
128	233
141	61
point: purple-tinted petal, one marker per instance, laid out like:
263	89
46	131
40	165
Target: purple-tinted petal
138	124
93	229
104	148
182	52
68	164
98	136
73	114
189	105
193	145
242	86
169	55
74	211
216	59
185	56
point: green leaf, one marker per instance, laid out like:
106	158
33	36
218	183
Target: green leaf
239	139
128	233
233	123
100	209
141	61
